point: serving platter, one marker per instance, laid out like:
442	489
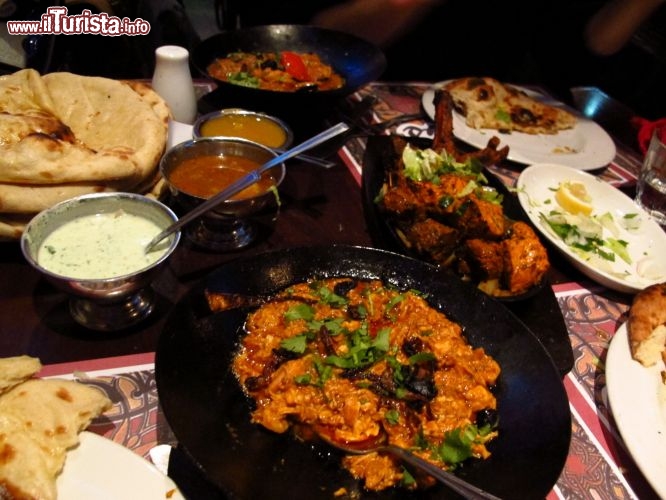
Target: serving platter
637	398
646	244
103	469
539	310
210	414
587	146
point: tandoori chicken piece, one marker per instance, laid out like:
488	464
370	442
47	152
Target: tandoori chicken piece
433	238
481	259
525	259
478	218
444	139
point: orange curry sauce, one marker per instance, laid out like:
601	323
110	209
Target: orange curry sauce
359	359
206	176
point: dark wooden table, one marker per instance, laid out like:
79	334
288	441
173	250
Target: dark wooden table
34	316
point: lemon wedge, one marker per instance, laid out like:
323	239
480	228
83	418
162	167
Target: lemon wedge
573	197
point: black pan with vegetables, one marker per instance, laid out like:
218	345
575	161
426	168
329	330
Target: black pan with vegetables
358	62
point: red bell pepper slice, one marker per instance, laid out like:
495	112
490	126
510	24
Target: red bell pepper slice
294	65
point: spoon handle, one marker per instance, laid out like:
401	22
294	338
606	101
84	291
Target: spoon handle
313	160
248	180
458	485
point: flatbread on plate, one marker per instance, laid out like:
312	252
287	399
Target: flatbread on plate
17	369
39	421
488	103
62	135
647	324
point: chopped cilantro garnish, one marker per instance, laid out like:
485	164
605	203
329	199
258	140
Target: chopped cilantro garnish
401	392
397	368
421	357
361	311
457	446
362	349
394	301
420	440
333	326
324	371
392	417
407	478
330	298
299	311
244	79
295	344
303	379
274	191
381	341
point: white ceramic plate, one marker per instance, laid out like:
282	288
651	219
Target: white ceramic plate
104	470
587	146
637	399
646	244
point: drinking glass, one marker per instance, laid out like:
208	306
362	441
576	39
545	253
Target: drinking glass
651	184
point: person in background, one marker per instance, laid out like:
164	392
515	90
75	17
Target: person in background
432	40
616	22
618	46
628	37
381	22
427	40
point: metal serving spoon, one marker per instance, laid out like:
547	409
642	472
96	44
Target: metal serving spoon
380	444
249	179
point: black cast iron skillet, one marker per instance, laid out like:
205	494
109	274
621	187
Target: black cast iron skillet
358	61
210	414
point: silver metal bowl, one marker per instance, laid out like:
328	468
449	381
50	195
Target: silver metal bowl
112	303
255	137
234	223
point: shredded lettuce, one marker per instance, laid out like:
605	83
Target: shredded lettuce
426	165
584	234
420	164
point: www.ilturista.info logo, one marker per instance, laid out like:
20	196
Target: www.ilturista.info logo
56	22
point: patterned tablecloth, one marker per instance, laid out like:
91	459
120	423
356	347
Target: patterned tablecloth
598	466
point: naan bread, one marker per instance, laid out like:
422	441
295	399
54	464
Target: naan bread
152	98
647	325
39	421
12	225
17	198
488	103
24	92
89	129
17	369
63	135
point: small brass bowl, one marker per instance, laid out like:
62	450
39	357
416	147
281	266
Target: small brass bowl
234	223
239	123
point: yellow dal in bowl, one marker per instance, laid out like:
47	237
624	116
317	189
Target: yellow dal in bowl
254	128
